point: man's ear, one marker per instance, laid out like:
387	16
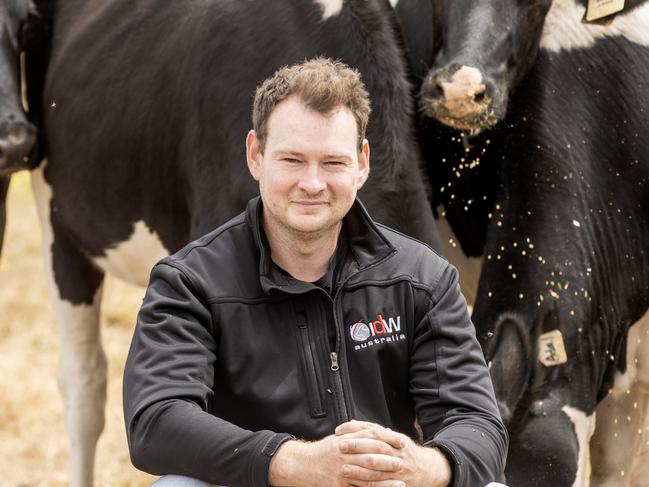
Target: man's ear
363	163
253	154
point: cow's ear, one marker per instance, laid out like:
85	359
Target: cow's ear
363	163
510	363
253	154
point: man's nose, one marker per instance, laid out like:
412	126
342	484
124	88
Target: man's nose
311	180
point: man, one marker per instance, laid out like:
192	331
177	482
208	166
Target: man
259	344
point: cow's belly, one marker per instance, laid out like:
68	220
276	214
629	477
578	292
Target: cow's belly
132	259
620	446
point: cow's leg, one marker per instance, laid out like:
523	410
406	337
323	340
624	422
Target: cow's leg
75	287
82	381
620	440
4	187
469	268
640	467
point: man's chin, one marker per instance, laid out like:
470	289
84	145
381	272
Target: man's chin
310	225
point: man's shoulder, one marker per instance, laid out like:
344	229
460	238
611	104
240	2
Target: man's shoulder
215	242
411	248
220	257
414	258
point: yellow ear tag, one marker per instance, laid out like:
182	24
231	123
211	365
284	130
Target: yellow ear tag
551	349
598	9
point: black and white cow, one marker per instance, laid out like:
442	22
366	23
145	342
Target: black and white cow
17	134
556	200
146	109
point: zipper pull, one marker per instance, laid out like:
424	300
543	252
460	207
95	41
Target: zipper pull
334	361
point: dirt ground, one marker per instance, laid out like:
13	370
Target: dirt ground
33	443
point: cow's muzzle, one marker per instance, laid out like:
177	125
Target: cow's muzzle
17	140
460	97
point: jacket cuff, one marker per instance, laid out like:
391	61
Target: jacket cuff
266	448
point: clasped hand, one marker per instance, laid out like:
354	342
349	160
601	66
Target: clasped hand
363	454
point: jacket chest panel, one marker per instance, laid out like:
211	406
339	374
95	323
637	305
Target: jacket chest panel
256	341
274	354
378	320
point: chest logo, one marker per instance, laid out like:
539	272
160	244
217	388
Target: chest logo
381	330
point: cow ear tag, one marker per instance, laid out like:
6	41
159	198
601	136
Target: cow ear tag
598	9
552	351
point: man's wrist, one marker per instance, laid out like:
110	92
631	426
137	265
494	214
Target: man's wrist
440	468
284	466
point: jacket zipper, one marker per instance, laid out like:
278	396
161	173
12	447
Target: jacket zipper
339	391
339	394
334	361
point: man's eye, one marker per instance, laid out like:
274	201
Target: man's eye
290	160
333	163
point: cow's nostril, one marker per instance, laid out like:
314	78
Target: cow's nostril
437	91
433	88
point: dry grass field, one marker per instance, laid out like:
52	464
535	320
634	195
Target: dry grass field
33	443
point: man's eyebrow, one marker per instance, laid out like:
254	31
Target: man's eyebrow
291	153
284	152
338	157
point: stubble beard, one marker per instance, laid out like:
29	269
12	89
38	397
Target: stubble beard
296	238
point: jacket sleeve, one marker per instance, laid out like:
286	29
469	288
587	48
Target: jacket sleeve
453	395
167	385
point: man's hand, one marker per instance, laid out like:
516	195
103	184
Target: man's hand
420	466
360	454
334	461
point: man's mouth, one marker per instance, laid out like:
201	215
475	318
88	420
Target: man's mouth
310	203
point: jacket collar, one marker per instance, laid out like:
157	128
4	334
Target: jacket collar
367	246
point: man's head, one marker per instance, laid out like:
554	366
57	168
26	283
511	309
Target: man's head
321	84
305	149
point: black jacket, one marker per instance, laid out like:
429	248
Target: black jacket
231	356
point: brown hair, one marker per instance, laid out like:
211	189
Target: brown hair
322	85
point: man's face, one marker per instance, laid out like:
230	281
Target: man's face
310	170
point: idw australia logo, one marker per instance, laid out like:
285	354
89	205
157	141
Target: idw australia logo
375	332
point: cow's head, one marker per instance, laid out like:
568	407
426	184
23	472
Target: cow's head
17	135
483	48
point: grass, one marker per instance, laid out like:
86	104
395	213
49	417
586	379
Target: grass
33	442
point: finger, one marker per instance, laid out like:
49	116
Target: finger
392	438
353	426
353	445
360	476
374	461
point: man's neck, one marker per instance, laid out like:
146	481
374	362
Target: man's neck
305	257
